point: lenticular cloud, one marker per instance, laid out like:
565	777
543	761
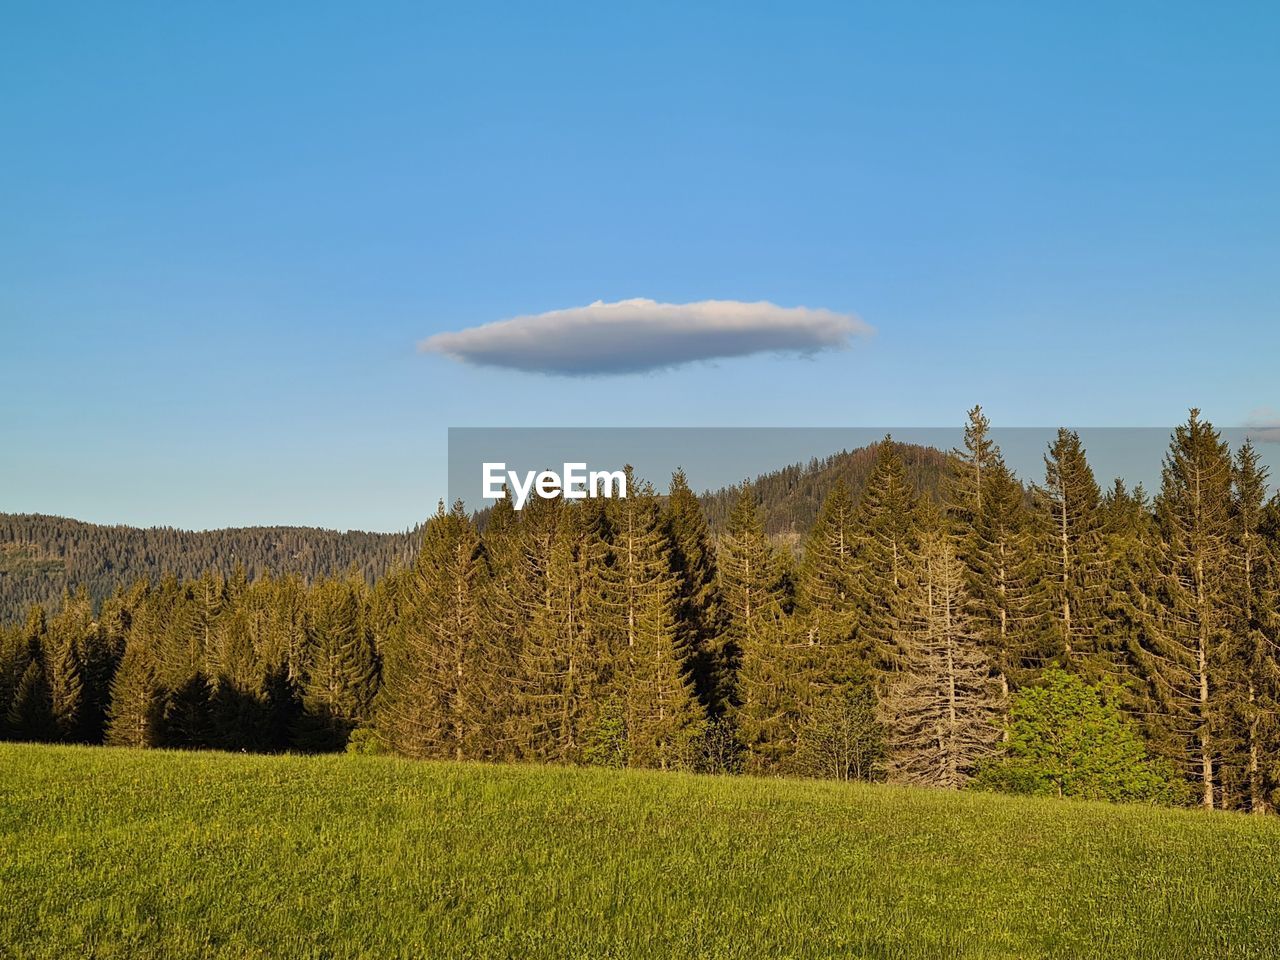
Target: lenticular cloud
633	336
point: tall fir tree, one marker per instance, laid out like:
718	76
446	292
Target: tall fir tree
699	608
1194	651
943	708
634	611
342	667
1071	550
435	702
767	695
1255	622
884	526
825	586
560	670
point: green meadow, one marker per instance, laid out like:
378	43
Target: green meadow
121	853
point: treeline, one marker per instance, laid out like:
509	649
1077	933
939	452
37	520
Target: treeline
1058	638
43	556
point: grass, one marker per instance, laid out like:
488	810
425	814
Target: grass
117	853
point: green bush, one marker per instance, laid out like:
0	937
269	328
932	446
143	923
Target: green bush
1067	739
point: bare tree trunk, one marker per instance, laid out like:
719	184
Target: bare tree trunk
1066	574
1257	802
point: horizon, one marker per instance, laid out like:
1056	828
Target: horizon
712	457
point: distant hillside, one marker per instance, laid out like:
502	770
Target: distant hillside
40	556
791	497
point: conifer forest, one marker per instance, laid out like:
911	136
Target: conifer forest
1059	635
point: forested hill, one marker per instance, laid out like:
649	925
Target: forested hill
791	497
40	555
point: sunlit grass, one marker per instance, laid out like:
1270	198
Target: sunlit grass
116	853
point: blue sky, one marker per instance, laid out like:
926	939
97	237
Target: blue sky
227	229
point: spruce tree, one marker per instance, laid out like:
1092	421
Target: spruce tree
96	653
826	588
943	706
767	695
31	715
634	610
1071	549
563	667
1130	604
969	473
699	609
998	552
341	674
1195	653
134	718
434	702
1255	616
884	526
30	710
514	590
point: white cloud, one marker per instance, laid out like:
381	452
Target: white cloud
632	336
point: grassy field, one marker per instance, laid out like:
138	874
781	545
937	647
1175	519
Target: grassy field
115	853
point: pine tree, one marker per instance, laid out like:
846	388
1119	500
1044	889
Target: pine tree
1254	620
943	708
633	611
561	671
89	658
986	508
1071	549
970	473
30	711
435	703
1198	666
885	530
522	608
699	610
14	653
1130	605
767	696
139	691
80	670
134	719
826	588
998	553
342	668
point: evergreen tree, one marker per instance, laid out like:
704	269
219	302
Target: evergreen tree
943	708
30	711
434	701
634	613
699	610
1198	676
524	607
342	668
885	531
1071	548
969	473
767	694
998	552
1255	617
826	587
561	668
134	718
